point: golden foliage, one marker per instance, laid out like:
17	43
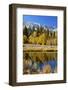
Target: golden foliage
37	39
24	38
42	38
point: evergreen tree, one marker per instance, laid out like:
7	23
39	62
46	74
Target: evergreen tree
25	31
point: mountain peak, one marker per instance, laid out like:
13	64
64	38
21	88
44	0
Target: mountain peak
37	25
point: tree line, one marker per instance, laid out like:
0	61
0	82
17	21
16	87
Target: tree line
40	36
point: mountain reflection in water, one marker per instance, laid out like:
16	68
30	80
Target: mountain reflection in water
39	62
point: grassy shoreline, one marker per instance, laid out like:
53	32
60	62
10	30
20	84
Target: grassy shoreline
39	48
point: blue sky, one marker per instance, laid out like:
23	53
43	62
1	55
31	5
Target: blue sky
50	21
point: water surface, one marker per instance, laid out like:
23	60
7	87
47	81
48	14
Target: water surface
39	62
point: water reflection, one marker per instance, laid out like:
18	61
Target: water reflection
39	62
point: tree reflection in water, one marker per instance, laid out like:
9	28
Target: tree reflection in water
39	62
